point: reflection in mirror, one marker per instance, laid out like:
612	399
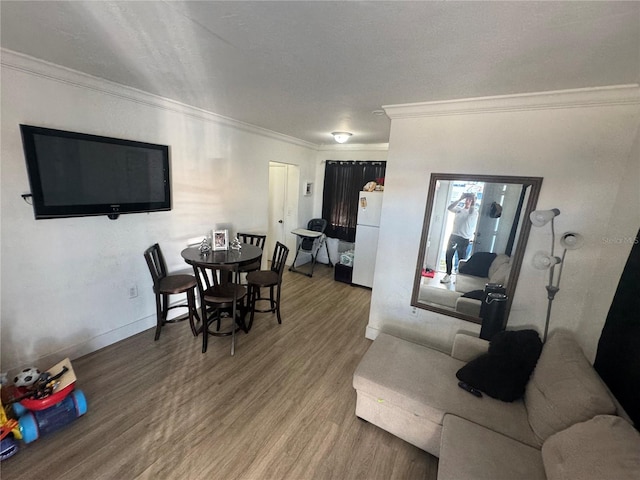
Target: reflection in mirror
475	232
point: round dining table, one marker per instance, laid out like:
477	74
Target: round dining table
246	254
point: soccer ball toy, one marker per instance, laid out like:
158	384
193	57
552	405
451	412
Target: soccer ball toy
26	377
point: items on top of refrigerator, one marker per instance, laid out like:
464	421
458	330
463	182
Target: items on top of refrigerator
369	187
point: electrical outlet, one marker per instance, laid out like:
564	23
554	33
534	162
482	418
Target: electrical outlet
414	312
133	291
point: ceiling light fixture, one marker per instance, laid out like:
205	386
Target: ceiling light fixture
341	137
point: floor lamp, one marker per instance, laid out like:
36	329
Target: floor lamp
544	261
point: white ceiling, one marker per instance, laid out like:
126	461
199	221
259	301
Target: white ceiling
306	68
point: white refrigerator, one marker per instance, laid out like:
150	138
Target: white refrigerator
366	247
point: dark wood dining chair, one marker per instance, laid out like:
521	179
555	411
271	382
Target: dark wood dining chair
272	279
219	295
165	284
258	241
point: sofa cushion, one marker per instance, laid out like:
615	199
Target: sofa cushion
501	274
499	262
422	381
603	447
564	388
467	347
468	306
469	451
438	296
503	372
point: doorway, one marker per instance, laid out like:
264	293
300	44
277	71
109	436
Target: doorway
284	185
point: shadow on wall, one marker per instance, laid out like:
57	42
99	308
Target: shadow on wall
16	357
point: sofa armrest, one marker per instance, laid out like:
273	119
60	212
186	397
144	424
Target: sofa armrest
466	347
467	283
470	306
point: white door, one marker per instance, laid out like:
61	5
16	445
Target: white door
283	207
277	198
486	228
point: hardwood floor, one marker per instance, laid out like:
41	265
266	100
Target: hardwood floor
281	408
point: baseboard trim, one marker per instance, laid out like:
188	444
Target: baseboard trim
371	333
93	344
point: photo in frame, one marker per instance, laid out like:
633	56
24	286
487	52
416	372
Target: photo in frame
220	240
308	189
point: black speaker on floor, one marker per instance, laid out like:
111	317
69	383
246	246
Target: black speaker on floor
492	311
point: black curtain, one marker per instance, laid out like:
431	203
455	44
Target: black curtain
618	357
342	182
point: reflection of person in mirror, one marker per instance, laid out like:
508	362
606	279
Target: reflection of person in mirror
464	225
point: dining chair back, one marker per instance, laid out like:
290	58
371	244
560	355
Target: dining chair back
258	241
271	278
165	284
219	295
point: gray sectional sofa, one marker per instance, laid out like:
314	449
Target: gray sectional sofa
441	296
567	426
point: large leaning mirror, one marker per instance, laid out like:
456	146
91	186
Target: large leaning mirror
475	232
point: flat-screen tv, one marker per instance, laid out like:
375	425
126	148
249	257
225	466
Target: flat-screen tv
76	174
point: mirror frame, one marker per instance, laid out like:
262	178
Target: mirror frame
534	182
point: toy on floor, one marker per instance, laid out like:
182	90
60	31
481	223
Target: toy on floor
26	377
427	272
9	431
35	423
49	403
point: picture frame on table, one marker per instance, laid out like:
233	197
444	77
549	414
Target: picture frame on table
220	240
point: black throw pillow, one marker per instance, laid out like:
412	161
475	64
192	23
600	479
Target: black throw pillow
475	294
478	264
503	372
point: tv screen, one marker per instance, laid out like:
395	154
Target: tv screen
75	174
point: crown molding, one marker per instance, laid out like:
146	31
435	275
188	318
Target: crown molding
57	73
580	97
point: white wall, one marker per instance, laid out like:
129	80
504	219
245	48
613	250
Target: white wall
581	142
64	283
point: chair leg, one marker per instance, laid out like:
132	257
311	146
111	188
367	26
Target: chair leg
158	316
233	330
253	296
278	306
205	328
165	308
191	305
272	302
